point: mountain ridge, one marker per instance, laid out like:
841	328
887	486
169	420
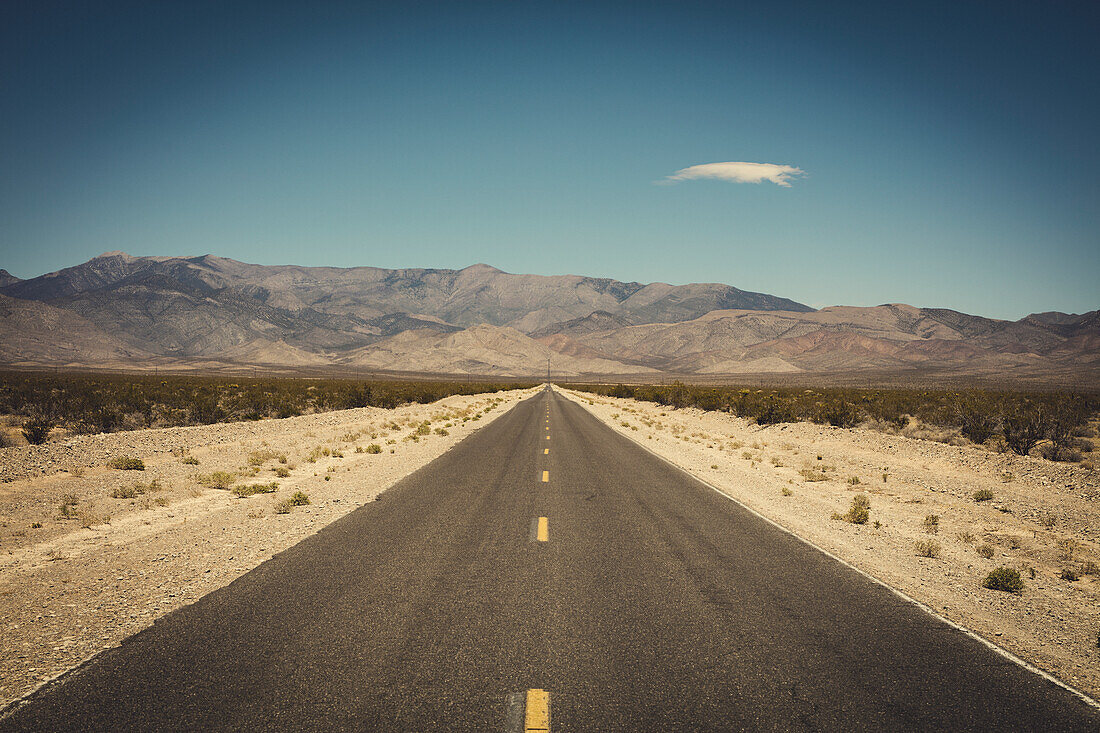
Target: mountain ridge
480	319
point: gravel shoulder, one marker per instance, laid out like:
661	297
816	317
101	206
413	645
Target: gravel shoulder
1043	519
133	545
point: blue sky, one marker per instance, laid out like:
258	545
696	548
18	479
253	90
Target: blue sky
949	152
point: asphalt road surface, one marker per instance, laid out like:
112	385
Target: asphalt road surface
562	577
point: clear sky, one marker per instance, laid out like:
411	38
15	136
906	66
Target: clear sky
936	154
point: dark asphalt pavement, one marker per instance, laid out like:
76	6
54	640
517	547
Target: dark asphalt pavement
655	605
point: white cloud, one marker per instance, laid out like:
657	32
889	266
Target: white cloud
780	175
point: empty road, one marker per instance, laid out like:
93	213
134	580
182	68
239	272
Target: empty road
549	573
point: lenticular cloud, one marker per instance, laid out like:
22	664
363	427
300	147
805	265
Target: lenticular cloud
780	175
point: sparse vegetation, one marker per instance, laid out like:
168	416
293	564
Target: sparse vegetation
103	403
858	513
245	491
127	463
985	550
287	505
932	524
37	428
983	495
1020	420
1004	579
928	548
216	480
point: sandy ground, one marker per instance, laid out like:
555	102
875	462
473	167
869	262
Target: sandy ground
1044	518
68	590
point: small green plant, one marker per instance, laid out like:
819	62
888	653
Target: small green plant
928	548
811	475
374	448
932	524
853	481
281	471
299	498
787	492
884	477
127	463
985	550
244	491
983	495
190	461
966	538
1004	579
36	525
125	492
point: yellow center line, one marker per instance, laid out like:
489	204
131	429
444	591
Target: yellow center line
543	533
537	716
545	476
548	437
546	451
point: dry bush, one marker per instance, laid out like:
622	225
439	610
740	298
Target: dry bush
928	548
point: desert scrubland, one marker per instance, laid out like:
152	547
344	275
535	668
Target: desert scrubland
941	518
100	535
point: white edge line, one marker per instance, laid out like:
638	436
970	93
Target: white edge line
900	594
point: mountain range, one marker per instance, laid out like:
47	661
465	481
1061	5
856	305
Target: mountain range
121	311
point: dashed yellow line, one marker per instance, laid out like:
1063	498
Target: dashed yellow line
546	451
536	719
545	476
543	535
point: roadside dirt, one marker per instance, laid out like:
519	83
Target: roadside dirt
1043	518
160	538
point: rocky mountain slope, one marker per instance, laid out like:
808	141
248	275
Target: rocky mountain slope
122	310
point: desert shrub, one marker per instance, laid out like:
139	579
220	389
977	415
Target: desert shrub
125	492
839	413
374	448
1070	574
281	471
1061	453
127	463
216	480
983	495
810	474
977	416
1004	579
88	517
37	429
985	550
1024	426
260	457
253	489
928	548
299	498
859	512
932	524
1067	548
